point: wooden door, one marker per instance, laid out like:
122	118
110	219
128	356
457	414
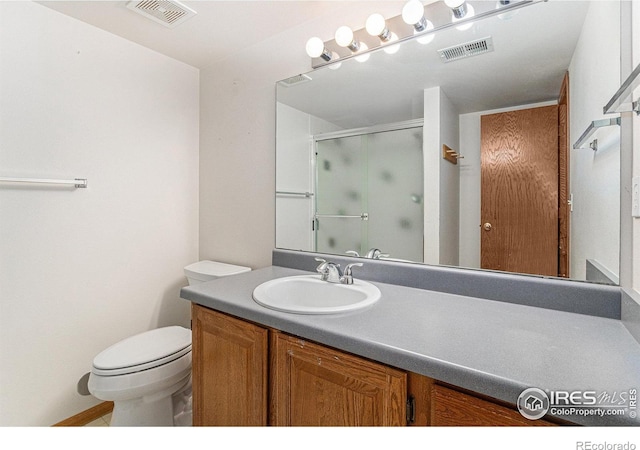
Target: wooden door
230	369
564	209
312	385
519	199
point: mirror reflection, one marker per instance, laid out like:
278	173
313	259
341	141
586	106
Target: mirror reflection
468	161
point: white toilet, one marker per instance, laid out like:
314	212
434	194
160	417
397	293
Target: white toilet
148	376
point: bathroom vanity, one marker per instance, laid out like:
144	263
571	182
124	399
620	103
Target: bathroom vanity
274	378
416	357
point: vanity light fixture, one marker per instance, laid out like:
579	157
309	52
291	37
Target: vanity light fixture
413	14
376	25
412	23
316	49
344	38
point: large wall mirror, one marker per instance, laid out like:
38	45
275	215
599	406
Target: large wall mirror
417	154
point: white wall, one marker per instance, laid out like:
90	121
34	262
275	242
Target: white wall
449	184
431	152
295	173
237	139
594	76
634	58
441	180
82	269
237	155
293	165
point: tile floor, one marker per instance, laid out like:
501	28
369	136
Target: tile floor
103	421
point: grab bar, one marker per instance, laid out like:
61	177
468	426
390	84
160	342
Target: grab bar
77	182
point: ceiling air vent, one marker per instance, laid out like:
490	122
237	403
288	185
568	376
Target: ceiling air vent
168	13
467	49
292	81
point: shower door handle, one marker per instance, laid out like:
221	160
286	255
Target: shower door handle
363	216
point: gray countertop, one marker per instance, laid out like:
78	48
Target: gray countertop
490	347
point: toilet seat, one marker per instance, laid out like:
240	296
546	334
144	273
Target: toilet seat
143	351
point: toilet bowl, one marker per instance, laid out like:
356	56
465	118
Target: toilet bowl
148	376
140	375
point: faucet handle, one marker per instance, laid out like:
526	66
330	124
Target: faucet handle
330	271
347	277
352	253
347	270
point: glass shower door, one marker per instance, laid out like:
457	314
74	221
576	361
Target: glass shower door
341	202
395	185
369	194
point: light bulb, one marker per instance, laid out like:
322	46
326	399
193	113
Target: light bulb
344	36
376	25
315	47
412	12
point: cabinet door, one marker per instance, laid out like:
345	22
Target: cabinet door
230	361
312	385
453	408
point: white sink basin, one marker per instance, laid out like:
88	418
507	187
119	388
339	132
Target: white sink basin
308	294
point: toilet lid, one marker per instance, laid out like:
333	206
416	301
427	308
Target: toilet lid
143	351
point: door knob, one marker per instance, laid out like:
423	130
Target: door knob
487	226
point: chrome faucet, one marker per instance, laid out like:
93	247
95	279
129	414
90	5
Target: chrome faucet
329	271
375	253
347	277
332	273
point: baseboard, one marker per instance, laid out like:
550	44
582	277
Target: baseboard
87	416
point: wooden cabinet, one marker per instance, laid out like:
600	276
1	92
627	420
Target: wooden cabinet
246	374
312	385
450	407
230	365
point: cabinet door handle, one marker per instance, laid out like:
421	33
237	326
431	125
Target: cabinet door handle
411	409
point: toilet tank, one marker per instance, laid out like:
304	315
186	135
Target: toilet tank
202	271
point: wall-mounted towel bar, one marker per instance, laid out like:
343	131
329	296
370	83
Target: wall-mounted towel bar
295	194
619	99
76	182
593	126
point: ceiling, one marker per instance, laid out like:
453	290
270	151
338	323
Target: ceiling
532	53
222	28
536	50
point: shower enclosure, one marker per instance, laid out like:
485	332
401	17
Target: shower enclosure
369	192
